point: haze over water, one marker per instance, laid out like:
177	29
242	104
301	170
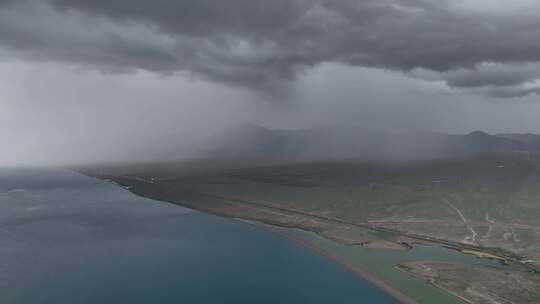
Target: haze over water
67	238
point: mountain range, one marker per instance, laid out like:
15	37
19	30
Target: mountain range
253	141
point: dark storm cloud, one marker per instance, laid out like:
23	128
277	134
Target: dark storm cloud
494	74
509	92
498	80
266	43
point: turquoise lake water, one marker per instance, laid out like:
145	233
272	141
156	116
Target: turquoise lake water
67	238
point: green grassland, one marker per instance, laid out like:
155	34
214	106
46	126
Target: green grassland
491	201
507	188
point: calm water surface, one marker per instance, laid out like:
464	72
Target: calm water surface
67	238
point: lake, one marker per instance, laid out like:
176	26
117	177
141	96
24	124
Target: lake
68	238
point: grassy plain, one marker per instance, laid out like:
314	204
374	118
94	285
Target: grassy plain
491	202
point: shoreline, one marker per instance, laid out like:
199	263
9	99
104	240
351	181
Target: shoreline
361	273
332	236
369	278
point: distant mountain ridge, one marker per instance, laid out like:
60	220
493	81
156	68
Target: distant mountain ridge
529	139
253	141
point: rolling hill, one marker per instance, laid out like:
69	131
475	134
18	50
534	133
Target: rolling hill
252	141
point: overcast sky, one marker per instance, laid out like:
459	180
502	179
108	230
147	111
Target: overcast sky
113	79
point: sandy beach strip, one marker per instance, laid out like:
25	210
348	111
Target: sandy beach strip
399	296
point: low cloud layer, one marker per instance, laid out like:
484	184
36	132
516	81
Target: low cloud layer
486	46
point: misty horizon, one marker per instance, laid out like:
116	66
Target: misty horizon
115	80
252	142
